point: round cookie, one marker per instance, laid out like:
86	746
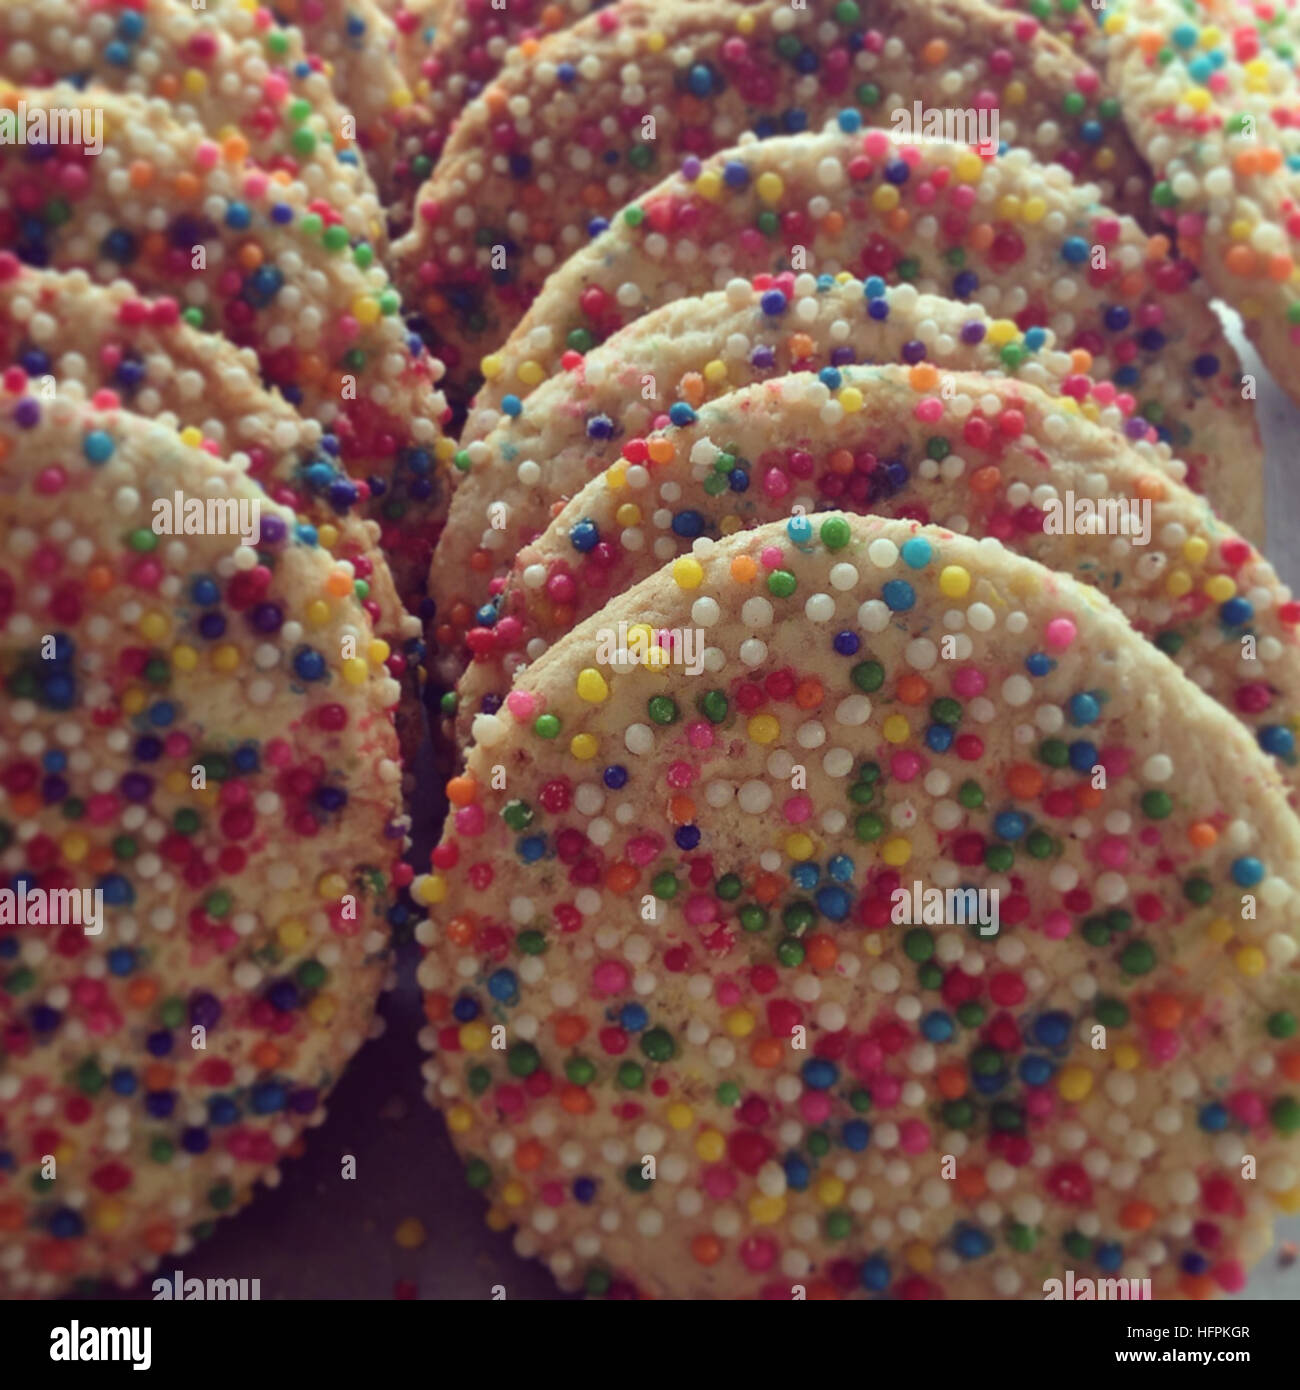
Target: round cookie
1075	22
357	44
692	350
182	735
731	1065
601	111
64	328
225	66
1015	236
247	252
1211	95
979	455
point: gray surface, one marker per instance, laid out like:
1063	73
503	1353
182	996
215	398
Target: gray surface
318	1236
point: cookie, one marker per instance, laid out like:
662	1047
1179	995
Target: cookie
225	66
201	820
691	350
1019	238
1075	22
600	112
935	940
249	254
1211	95
64	328
979	455
356	44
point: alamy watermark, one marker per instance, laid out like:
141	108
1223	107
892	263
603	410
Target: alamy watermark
178	1288
946	907
1098	516
208	516
53	125
53	907
1096	1290
638	644
966	125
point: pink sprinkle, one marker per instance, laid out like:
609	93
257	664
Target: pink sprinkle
610	977
885	1090
815	1106
757	1253
1056	925
1061	632
914	1136
1164	1044
701	908
876	143
521	704
470	820
929	411
905	765
699	734
969	682
727	993
1038	1103
207	155
719	1182
797	809
771	557
1113	851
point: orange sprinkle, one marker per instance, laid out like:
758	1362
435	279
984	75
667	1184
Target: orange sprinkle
621	877
462	790
971	1183
766	1052
529	1156
1202	834
841	461
142	992
681	810
912	689
576	1100
951	1080
1151	488
1137	1215
706	1248
934	52
1024	781
923	377
986	479
569	1029
809	693
1164	1011
743	569
822	952
980	236
460	931
661	450
1240	260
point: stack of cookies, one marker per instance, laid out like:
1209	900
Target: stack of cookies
788	451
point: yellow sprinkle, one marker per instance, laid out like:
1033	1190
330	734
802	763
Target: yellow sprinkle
830	1190
365	310
629	514
968	167
460	1119
715	372
1008	207
184	658
292	933
225	657
429	889
954	581
531	373
192	436
378	651
107	1216
328	536
769	187
1034	210
1220	931
766	1211
134	700
1127	1057
1002	331
688	573
1014	93
1197	98
616	476
710	1146
1074	1083
886	198
1220	587
850	398
896	728
317	613
154	626
475	1036
738	1022
74	846
679	1115
896	851
655	41
355	671
919	1257
1250	960
1178	583
799	846
331	887
763	728
491	365
583	747
1288	1202
708	185
322	1009
497	1220
1240	229
514	1193
195	82
592	686
745	23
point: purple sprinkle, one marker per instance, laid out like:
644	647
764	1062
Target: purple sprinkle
972	332
913	351
273	530
691	167
1136	428
762	357
27	413
843	356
